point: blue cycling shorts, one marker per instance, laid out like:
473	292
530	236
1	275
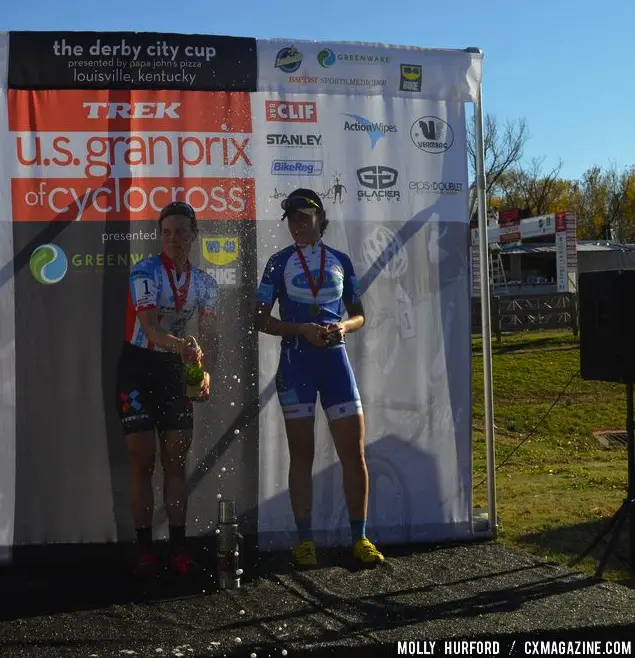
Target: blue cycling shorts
306	371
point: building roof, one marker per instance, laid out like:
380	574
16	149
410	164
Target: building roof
550	247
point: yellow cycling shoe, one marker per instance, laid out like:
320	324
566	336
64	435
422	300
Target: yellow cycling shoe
304	554
366	552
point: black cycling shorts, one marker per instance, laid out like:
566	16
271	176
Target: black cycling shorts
151	391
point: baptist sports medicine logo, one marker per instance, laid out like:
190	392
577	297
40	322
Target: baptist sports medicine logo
375	130
48	264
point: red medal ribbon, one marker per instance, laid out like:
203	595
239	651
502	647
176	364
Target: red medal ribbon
180	295
314	289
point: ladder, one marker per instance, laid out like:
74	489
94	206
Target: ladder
497	278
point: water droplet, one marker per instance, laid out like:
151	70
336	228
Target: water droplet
236	431
236	553
284	652
223	126
241	612
253	655
238	380
235	376
223	469
219	496
239	572
232	404
218	531
237	640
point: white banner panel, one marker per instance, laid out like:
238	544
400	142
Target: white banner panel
367	69
396	194
7	324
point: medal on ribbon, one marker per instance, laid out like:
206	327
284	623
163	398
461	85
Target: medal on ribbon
180	295
315	308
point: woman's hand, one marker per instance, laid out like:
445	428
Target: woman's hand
335	332
191	353
315	334
205	387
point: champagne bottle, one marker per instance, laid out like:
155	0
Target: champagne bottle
194	376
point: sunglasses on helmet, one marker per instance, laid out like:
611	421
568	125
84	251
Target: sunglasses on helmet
300	204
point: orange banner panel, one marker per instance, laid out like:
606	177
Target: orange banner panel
126	111
122	199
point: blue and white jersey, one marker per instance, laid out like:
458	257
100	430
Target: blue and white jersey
284	281
150	288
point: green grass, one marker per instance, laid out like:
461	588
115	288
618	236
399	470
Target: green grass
557	490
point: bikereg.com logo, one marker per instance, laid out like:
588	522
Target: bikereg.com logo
432	135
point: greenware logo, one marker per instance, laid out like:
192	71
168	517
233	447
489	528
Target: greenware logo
48	264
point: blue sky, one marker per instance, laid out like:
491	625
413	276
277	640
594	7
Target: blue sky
567	66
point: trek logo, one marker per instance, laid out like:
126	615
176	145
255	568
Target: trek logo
297	167
296	111
373	129
432	135
141	110
379	179
294	141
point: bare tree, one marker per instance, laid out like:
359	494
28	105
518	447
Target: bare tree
603	202
531	187
503	145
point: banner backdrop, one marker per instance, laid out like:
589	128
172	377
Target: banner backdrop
98	133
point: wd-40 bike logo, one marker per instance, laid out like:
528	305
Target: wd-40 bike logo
220	251
48	264
375	130
289	59
410	79
432	135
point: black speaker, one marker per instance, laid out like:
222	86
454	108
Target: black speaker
606	304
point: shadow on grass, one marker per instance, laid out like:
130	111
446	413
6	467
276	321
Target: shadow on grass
529	345
574	540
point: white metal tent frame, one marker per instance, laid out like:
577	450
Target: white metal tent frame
485	305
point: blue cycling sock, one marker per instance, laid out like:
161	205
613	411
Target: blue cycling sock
358	529
305	533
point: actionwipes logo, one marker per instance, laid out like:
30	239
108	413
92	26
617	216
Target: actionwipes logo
48	264
375	130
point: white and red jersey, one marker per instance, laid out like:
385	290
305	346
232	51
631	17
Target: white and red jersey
151	287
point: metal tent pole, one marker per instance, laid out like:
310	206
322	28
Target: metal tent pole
485	306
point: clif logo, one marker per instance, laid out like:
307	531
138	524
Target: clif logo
292	111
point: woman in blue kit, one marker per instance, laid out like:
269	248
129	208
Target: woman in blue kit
314	286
